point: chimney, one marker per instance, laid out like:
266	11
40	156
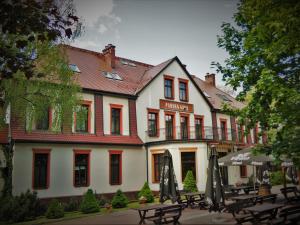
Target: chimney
210	79
110	55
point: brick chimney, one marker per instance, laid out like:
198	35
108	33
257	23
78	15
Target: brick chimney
210	79
110	55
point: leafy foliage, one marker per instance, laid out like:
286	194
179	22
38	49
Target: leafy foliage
19	208
55	210
89	203
277	178
147	193
119	200
263	47
189	183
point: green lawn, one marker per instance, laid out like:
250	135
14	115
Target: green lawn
76	214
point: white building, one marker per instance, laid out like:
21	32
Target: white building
132	111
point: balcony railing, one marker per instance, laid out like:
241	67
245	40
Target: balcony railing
193	133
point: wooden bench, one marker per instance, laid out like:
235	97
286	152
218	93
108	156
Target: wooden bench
266	198
249	189
291	194
237	211
170	214
288	215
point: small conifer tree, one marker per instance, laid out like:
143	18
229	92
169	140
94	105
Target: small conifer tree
55	210
89	203
189	183
147	193
119	200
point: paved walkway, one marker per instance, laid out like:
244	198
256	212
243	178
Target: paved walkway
189	216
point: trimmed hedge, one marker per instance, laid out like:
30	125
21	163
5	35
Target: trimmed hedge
89	203
119	200
147	193
55	210
189	183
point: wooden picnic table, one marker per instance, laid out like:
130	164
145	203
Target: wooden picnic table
154	208
264	211
251	198
246	189
194	197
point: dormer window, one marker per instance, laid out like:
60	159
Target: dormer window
224	97
112	75
74	68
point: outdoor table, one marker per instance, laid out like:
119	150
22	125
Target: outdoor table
251	198
191	198
239	188
144	210
258	211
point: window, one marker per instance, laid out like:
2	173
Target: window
188	162
43	122
81	168
116	119
243	171
41	168
183	90
112	75
223	97
199	127
240	133
157	160
184	127
74	68
153	122
82	118
169	87
170	128
223	129
115	163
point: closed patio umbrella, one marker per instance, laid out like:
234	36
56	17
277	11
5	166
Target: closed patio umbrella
168	184
214	193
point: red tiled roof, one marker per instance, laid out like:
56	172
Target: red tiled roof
215	100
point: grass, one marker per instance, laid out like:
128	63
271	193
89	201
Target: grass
76	214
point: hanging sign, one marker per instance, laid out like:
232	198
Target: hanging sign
176	106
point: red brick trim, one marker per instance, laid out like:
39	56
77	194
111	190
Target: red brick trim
42	151
215	126
174	122
156	111
226	129
99	115
180	80
255	134
132	117
79	152
186	115
201	117
171	78
88	104
115	152
117	106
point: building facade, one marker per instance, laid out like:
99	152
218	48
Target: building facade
130	112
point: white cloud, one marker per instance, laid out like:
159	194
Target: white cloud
102	28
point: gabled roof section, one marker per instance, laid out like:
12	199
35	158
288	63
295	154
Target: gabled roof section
214	95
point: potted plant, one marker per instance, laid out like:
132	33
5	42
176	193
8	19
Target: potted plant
108	207
142	200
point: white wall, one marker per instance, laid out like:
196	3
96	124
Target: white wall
61	169
201	163
227	117
150	96
234	175
107	100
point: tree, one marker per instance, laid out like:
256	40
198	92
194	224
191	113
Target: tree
147	193
189	183
263	47
34	73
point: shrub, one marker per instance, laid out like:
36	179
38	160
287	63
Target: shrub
277	178
89	203
189	183
20	208
72	205
147	193
55	210
119	200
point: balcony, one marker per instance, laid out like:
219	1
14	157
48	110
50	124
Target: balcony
180	134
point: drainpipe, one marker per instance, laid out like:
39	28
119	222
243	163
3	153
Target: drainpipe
147	170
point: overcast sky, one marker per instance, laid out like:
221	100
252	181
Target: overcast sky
153	31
